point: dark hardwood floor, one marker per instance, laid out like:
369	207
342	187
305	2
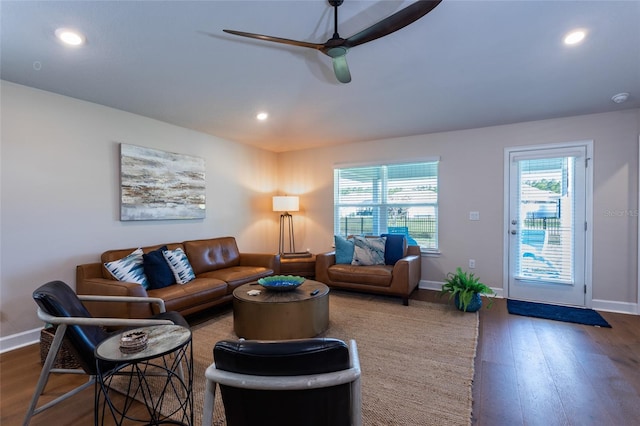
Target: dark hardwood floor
527	372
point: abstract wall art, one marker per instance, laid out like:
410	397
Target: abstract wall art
160	185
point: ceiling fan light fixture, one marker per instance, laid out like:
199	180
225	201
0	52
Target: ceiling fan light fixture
335	52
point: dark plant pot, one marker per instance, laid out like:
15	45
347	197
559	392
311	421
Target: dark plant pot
473	306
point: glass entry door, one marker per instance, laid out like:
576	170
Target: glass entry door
547	225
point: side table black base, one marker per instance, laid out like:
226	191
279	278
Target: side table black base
160	381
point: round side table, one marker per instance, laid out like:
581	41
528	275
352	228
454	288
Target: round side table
159	376
277	315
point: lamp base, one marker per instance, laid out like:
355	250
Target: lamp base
295	254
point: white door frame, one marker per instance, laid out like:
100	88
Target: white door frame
588	263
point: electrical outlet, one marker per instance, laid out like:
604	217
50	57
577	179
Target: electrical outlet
472	263
474	215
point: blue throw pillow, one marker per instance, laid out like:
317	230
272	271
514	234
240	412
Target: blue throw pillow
344	250
157	269
394	248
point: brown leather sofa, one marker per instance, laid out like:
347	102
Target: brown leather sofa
400	279
217	263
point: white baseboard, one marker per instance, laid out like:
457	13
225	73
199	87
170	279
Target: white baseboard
18	340
430	285
612	306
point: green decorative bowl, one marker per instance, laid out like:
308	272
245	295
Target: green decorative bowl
281	282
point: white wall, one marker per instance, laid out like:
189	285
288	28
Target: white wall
60	192
471	178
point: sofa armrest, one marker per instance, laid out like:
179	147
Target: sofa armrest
86	284
88	270
267	260
323	262
406	274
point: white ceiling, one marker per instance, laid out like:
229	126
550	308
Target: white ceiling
466	64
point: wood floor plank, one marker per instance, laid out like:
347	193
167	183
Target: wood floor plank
581	400
497	397
539	397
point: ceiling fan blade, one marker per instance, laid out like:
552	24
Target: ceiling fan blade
398	20
340	66
316	46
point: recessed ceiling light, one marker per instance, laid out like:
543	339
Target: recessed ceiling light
262	116
574	37
620	98
70	37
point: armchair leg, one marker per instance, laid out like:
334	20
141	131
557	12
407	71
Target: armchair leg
44	378
46	369
405	301
209	400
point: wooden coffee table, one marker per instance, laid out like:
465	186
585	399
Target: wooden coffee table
277	315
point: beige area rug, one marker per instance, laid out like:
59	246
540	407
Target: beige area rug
417	361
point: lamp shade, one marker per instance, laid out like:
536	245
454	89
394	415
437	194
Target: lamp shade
286	204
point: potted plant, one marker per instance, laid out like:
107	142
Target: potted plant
466	290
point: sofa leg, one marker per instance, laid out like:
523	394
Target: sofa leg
405	301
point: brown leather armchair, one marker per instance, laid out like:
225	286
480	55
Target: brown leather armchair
400	279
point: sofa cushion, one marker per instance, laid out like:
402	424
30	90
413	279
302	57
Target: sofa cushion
157	270
344	250
368	251
185	296
215	253
179	264
129	269
379	275
394	248
235	276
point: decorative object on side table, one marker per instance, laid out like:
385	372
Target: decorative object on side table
281	282
466	290
133	342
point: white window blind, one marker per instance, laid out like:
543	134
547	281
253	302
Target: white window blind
546	212
392	198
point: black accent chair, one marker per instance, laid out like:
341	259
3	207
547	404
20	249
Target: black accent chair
307	382
59	305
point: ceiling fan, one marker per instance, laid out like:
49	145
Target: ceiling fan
336	47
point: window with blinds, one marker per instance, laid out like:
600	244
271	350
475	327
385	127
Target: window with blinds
546	211
390	198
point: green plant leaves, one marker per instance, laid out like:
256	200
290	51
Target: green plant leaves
465	285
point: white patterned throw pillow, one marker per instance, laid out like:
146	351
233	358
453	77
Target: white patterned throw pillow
368	251
179	264
129	269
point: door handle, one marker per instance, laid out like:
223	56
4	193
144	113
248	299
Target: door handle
514	232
